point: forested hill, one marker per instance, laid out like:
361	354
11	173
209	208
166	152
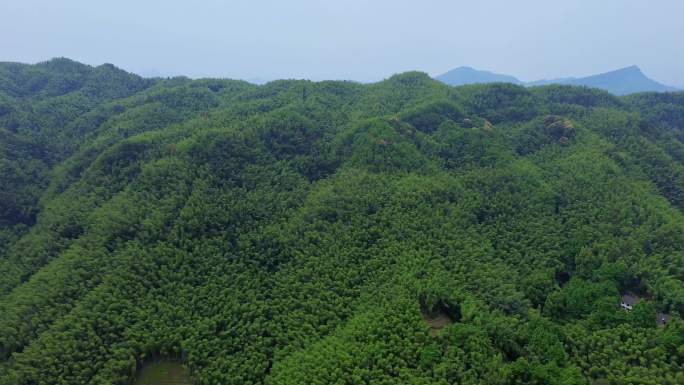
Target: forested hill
47	111
402	232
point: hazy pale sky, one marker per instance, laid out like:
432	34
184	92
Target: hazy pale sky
358	40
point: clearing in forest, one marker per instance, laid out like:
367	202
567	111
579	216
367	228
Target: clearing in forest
437	321
163	373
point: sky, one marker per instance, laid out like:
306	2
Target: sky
354	40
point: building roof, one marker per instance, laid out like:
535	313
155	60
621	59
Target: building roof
630	299
662	319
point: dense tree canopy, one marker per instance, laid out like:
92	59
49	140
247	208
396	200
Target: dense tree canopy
308	233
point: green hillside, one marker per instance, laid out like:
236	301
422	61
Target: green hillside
401	232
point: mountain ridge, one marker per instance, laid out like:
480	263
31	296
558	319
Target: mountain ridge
622	81
467	75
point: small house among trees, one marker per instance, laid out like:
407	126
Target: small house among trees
628	301
662	319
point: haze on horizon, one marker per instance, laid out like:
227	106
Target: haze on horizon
356	40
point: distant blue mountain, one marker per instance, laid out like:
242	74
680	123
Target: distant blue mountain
467	75
619	82
623	81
